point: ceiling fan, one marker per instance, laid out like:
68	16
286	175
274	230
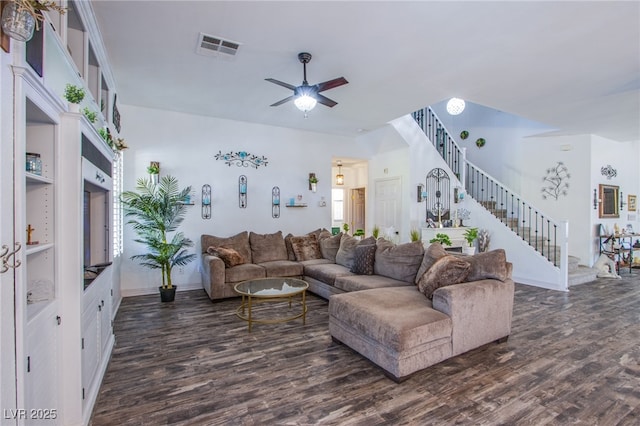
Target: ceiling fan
306	96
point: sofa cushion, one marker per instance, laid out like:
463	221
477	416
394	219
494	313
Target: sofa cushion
363	259
366	282
238	242
491	264
399	318
434	252
230	257
398	261
327	272
310	262
246	271
306	247
447	270
329	247
282	268
348	244
287	243
267	247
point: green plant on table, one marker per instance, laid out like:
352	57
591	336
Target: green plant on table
345	228
359	233
155	212
73	94
414	234
470	235
442	239
375	231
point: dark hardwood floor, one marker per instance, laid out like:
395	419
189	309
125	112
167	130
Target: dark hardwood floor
572	358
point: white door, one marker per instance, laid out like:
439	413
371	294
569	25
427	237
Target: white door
388	203
358	205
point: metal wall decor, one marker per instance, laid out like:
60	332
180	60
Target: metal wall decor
242	159
608	171
242	191
438	195
556	181
206	201
275	202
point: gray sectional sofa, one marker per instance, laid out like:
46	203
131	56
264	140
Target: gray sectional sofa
401	306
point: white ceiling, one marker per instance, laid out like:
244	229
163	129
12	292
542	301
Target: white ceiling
574	66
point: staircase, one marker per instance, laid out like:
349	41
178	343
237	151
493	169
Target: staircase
541	233
579	274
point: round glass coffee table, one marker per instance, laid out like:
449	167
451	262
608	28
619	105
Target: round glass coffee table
265	289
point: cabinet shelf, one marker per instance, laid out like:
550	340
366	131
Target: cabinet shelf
36	248
295	205
33	178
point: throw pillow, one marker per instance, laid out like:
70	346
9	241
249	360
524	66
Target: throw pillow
267	247
363	258
329	247
400	262
230	257
434	252
345	253
306	247
287	242
488	265
447	270
238	242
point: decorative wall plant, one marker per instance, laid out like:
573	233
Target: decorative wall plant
242	159
480	142
608	171
556	181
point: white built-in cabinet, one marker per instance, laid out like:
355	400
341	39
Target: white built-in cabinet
53	366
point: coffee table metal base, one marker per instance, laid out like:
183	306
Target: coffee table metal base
245	310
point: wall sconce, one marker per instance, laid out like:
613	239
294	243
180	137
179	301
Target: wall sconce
206	201
458	194
421	193
275	202
339	176
242	191
622	203
596	200
313	182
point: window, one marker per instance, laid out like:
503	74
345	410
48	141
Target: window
337	205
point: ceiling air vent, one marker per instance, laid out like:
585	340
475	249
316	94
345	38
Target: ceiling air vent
213	46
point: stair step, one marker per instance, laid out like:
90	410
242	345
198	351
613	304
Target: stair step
573	263
582	275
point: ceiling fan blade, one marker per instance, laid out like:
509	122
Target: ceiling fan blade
325	101
326	85
290	98
281	83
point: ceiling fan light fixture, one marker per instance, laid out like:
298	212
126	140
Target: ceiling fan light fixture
455	106
305	102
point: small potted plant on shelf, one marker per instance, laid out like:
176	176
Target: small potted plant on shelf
345	228
375	231
313	182
91	115
414	235
155	212
442	239
74	95
359	233
154	171
470	235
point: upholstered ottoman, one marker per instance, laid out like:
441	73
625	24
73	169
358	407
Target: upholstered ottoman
395	328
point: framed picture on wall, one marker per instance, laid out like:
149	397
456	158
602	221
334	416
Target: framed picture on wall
631	203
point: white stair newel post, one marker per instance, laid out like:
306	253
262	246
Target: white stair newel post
463	165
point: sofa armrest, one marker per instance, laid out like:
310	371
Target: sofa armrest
213	276
480	312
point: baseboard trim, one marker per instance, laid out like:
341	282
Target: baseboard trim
130	292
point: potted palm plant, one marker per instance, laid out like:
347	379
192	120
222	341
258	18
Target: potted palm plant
155	211
470	235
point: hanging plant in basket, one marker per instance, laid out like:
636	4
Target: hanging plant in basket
464	134
480	142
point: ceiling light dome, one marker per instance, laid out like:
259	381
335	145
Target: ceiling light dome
305	103
455	106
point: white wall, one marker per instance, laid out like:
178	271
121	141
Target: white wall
504	134
185	146
542	153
